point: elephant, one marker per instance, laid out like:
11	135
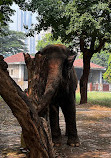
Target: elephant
57	81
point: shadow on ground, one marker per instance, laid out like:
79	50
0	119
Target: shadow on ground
94	129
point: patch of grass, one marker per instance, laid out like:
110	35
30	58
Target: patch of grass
97	98
77	98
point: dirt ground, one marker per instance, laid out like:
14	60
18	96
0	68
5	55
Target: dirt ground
94	130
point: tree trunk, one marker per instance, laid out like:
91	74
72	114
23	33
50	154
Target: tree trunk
84	79
87	54
35	129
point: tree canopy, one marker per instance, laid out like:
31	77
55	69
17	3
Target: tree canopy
46	40
5	11
12	42
71	19
102	57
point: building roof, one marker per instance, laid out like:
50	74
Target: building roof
78	63
15	59
19	59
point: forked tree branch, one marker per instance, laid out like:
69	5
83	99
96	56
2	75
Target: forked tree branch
38	142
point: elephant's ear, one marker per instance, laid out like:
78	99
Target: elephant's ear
71	59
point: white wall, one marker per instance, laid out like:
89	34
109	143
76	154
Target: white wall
15	69
21	72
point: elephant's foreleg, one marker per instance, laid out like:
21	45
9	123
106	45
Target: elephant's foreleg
54	123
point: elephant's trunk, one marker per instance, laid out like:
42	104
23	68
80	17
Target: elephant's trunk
53	80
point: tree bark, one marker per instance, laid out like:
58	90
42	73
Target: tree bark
35	129
84	79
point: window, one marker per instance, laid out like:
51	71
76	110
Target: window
11	72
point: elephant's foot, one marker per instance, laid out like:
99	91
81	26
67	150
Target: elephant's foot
73	141
57	141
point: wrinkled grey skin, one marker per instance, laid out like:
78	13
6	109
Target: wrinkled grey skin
60	91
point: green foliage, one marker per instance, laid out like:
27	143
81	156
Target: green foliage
90	20
72	19
107	74
101	58
5	13
12	42
46	40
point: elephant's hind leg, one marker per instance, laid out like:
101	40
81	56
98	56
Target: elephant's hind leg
69	112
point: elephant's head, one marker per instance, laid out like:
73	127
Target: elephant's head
50	67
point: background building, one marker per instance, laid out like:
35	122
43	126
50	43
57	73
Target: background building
21	18
25	18
18	71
